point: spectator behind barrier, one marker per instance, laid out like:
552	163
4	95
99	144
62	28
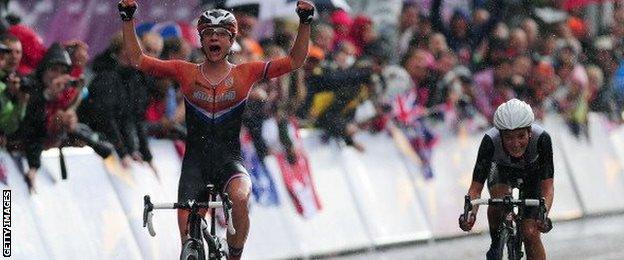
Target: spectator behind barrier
463	36
342	22
323	36
602	98
15	56
118	100
408	25
344	87
34	49
280	103
50	116
13	99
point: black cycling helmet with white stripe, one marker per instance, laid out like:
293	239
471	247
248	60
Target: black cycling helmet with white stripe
217	18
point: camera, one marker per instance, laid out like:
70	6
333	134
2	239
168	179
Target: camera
26	83
102	147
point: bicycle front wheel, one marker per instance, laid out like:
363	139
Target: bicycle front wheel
192	250
509	241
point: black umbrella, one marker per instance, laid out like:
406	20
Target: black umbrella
330	5
265	9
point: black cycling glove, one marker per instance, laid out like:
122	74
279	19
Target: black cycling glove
126	12
305	16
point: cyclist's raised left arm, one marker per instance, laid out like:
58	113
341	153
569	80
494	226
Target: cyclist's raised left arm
299	51
297	55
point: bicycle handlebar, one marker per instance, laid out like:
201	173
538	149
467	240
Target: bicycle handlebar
508	201
515	202
187	205
148	208
469	204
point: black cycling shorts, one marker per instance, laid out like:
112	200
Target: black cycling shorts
197	174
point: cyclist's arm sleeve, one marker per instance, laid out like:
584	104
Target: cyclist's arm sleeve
544	148
271	69
278	67
161	68
484	160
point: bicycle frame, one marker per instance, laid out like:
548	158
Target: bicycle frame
511	225
198	232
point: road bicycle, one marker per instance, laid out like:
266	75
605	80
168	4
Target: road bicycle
193	248
509	232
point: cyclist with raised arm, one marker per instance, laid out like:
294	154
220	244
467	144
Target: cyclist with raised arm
515	145
215	94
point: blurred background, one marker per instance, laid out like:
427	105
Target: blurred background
366	151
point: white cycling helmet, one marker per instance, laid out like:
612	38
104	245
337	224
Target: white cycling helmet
513	114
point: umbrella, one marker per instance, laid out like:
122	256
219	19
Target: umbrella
330	5
171	30
550	16
268	9
258	8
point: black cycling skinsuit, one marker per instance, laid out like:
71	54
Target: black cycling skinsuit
213	116
213	153
536	165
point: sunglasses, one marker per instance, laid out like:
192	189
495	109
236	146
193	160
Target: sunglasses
218	31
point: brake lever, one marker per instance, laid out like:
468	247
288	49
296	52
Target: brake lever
467	207
542	216
227	208
147	208
542	209
150	226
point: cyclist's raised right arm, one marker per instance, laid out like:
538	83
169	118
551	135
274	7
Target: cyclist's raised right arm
132	48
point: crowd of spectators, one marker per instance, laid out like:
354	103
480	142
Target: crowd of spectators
437	73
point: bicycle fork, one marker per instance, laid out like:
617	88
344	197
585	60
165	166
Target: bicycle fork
514	241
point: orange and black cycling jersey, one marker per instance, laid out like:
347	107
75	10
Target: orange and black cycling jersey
214	109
